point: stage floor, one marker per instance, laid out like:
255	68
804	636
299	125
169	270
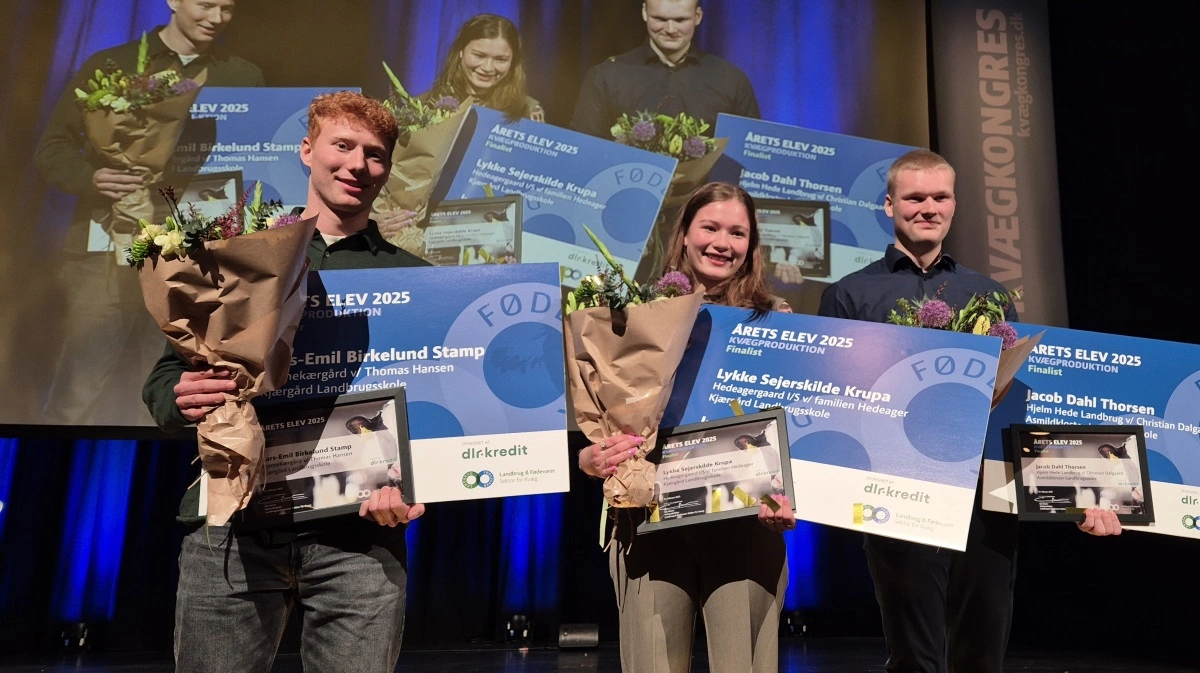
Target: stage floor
806	655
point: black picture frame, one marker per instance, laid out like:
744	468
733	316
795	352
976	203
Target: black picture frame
707	444
777	219
1060	471
323	426
504	212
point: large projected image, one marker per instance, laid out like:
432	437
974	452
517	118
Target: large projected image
215	103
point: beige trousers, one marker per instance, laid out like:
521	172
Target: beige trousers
733	572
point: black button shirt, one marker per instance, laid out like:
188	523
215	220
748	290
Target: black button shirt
701	84
871	292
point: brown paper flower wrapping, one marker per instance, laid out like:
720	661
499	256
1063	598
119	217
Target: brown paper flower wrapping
236	304
141	142
621	366
417	165
1011	361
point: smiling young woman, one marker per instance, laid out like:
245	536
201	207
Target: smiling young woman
486	61
715	243
665	580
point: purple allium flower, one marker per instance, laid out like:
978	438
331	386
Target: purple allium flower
644	130
284	220
1006	332
183	86
934	313
673	284
447	103
694	147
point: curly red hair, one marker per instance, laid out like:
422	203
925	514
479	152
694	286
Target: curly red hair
357	110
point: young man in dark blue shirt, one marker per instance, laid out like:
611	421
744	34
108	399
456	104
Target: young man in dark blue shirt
942	609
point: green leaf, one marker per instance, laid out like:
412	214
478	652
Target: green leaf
143	59
396	82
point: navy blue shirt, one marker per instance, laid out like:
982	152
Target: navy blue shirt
871	292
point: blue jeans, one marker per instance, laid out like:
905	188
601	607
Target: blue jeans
237	589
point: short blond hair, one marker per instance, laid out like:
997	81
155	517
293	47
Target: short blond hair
916	160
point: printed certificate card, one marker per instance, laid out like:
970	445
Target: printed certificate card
474	231
796	233
1063	470
720	469
1088	378
567	180
479	352
780	161
886	423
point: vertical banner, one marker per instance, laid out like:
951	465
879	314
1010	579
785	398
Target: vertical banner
995	124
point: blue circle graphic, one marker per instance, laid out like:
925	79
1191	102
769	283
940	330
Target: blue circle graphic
941	440
1162	468
616	218
517	366
842	234
427	420
551	226
832	448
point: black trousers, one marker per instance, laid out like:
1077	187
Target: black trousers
946	610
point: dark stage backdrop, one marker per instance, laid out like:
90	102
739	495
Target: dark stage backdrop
86	527
87	532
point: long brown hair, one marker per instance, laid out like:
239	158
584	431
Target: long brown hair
748	288
508	95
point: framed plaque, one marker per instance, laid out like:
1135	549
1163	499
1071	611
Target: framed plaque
1062	470
796	233
474	231
719	469
325	456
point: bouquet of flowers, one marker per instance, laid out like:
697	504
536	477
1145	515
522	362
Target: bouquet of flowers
624	343
228	293
681	137
428	130
134	120
983	314
186	231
